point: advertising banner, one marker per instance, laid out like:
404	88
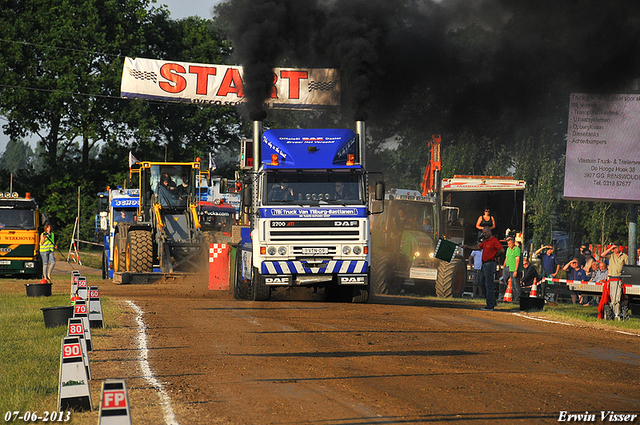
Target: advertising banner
603	148
221	85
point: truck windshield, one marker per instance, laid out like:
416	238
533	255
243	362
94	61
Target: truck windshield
314	188
124	215
17	219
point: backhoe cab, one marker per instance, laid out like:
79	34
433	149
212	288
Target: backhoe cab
166	230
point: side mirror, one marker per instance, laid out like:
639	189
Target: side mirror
380	190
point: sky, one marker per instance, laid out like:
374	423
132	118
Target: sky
179	9
184	8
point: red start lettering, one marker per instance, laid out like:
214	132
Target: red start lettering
202	80
231	83
172	71
294	78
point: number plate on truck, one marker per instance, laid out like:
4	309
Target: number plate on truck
5	263
419	273
314	251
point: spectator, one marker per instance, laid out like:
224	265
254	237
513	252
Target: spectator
576	273
588	261
491	249
593	268
530	273
638	257
616	258
486	219
475	261
511	267
580	255
601	274
585	299
550	266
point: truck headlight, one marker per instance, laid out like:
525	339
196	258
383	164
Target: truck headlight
282	250
29	265
346	250
357	250
271	250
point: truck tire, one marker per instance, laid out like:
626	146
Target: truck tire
451	279
259	290
382	281
241	288
140	251
118	255
105	265
360	294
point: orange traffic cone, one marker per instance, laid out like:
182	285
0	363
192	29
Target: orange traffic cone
508	294
534	289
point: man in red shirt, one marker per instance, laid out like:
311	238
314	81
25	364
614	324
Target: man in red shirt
491	249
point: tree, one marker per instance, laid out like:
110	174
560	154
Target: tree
16	157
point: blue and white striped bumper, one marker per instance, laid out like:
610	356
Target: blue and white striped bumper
302	267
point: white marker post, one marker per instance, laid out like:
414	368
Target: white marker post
95	308
73	387
80	310
83	288
114	404
76	328
74	282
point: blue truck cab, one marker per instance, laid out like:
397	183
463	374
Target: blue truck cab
308	200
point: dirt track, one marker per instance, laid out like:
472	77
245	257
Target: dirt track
394	360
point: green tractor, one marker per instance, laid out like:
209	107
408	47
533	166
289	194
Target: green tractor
404	238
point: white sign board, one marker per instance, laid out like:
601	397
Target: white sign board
603	148
221	85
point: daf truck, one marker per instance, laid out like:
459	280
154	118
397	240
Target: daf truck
307	199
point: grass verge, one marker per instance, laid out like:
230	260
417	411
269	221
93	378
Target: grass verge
30	352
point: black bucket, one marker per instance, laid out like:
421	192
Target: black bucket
57	316
529	304
38	289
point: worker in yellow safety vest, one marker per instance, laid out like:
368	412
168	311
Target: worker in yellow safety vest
47	246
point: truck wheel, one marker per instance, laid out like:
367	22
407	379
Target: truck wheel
105	265
382	281
360	294
118	255
140	251
451	279
259	290
241	288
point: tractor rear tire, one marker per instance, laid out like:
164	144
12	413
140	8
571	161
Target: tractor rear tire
259	290
451	279
241	288
382	281
140	251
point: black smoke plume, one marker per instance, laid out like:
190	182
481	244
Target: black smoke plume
477	60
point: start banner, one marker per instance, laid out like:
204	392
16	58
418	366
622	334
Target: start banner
222	85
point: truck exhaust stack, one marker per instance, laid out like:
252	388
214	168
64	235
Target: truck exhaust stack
361	131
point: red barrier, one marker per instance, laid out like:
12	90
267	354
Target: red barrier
219	266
